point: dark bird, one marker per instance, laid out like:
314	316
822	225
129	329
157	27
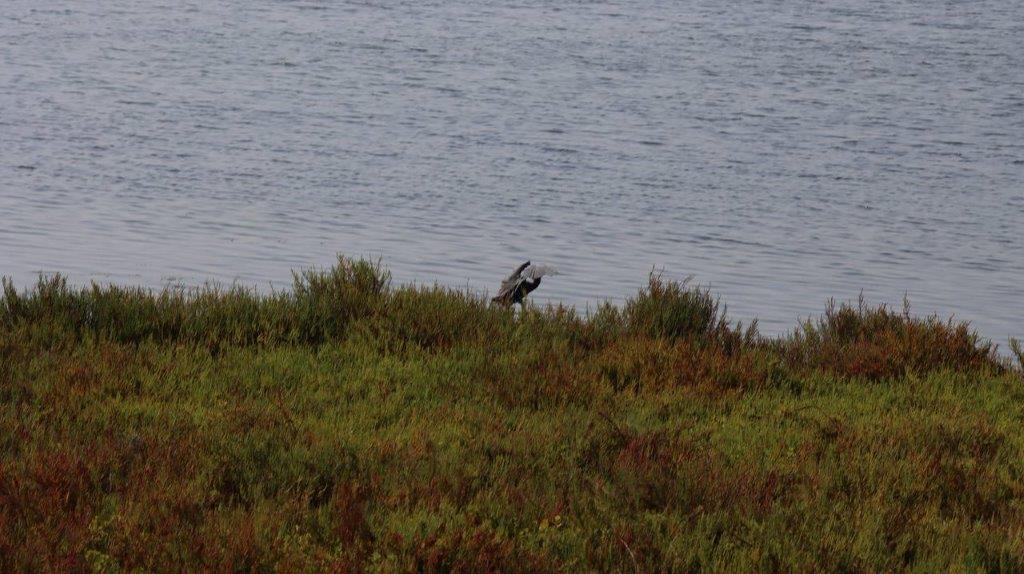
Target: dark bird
520	283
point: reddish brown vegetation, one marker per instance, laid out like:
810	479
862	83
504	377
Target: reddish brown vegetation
349	426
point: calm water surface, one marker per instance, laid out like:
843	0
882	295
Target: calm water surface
780	152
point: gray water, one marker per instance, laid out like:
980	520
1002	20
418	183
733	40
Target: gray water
779	152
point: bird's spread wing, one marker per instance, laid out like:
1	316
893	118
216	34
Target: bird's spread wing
524	279
538	271
515	274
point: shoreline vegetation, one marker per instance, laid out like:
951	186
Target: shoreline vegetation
352	425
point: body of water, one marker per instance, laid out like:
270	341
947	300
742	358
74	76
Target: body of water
780	152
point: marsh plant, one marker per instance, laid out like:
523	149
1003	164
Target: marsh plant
354	425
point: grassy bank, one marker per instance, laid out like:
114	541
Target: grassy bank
353	425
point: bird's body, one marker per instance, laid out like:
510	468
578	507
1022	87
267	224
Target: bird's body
520	283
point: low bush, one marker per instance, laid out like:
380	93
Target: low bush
351	425
877	343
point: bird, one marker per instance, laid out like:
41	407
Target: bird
520	283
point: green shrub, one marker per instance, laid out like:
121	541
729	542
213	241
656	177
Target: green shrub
349	425
669	309
1018	353
877	343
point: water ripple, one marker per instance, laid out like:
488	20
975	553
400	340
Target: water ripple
781	153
